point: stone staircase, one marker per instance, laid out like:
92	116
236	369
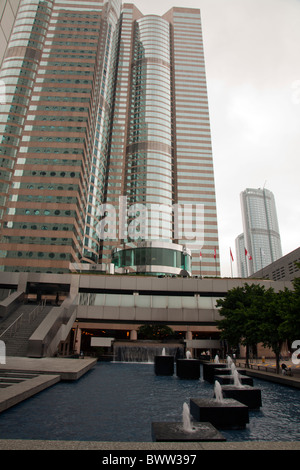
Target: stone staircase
24	322
8	378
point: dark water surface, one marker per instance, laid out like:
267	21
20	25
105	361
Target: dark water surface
119	401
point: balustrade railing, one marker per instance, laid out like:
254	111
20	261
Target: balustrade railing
23	318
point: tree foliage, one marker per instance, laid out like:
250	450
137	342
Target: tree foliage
155	331
291	301
240	311
272	317
253	314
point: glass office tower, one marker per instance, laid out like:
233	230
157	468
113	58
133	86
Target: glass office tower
55	132
261	237
241	258
105	143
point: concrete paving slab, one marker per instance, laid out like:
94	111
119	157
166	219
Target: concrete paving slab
10	444
18	392
68	369
36	375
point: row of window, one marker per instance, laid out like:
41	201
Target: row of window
55	228
50	128
48	161
75	140
68	99
73	109
56	151
134	166
46	212
63	174
37	255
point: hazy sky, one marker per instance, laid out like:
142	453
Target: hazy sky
252	56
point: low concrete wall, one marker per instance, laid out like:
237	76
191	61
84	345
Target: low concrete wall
53	329
276	378
18	392
11	303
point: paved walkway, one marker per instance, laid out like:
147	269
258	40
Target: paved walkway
68	369
267	370
271	363
194	447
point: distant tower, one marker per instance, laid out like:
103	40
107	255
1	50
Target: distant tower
262	244
240	256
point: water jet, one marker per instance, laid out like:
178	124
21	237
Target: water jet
209	370
229	379
248	395
186	430
223	413
218	392
188	355
229	361
164	364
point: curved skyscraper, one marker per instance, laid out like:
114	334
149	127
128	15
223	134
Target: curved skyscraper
149	158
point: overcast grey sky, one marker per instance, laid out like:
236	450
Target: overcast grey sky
252	55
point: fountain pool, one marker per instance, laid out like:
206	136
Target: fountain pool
118	402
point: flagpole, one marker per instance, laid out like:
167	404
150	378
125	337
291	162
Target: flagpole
215	255
200	264
246	264
231	258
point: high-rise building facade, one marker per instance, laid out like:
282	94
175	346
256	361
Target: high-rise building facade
105	140
260	243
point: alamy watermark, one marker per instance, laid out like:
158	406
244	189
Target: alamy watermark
2	353
138	222
2	92
296	354
296	91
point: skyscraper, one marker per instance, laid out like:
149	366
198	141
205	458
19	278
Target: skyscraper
260	243
241	257
105	147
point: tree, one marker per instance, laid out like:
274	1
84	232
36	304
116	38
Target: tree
272	316
254	315
155	331
291	325
240	317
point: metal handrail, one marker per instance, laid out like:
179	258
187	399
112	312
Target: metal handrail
31	316
13	323
34	313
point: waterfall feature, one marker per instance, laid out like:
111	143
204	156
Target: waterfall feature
144	353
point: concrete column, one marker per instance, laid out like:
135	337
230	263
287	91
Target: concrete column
189	336
22	284
77	345
133	335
